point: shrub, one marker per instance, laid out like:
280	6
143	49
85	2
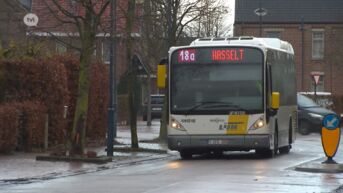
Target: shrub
97	119
8	128
53	83
32	116
39	80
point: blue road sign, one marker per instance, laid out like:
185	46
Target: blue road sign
331	121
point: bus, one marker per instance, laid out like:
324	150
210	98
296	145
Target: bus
231	94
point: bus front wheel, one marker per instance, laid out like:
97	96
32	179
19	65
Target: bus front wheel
269	152
185	154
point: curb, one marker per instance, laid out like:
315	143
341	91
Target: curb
316	166
96	160
109	165
147	150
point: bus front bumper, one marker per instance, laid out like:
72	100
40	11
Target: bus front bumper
225	143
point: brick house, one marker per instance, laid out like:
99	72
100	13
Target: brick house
48	26
11	21
51	31
314	28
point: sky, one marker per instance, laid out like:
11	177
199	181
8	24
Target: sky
230	18
231	4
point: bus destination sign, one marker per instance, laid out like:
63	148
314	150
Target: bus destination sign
215	55
227	54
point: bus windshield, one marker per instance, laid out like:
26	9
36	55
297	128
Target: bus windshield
217	81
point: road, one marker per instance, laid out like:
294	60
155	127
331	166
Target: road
234	172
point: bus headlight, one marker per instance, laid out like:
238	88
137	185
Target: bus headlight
176	125
259	123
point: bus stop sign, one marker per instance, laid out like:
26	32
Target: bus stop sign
331	133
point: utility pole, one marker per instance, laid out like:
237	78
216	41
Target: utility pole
302	29
112	109
260	19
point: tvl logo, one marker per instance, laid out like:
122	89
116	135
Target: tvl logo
331	133
31	19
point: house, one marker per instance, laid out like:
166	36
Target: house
313	27
55	30
11	21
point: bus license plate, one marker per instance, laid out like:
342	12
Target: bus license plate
217	141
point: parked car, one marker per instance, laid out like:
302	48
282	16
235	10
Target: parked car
157	101
310	115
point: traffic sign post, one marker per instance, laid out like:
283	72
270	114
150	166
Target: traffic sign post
331	133
316	81
316	78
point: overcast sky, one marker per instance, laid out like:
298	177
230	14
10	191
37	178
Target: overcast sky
231	17
231	4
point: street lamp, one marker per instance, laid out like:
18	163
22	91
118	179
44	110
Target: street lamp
260	12
112	111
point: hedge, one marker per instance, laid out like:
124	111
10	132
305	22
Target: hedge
54	83
39	80
97	119
34	115
8	128
98	99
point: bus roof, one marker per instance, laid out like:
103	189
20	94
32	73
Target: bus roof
269	43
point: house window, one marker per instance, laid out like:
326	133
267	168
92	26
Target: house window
106	51
273	34
60	48
26	3
317	44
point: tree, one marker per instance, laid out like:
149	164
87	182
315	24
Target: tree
212	21
83	19
132	71
165	22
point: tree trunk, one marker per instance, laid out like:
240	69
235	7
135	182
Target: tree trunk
80	118
133	109
132	73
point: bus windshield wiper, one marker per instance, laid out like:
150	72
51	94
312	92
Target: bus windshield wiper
230	105
209	104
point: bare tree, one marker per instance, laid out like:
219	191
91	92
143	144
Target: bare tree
213	20
132	71
165	22
81	19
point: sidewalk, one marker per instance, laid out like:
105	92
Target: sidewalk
319	165
23	168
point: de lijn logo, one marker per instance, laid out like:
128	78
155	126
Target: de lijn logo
331	133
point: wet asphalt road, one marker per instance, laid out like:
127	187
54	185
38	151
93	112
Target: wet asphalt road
234	172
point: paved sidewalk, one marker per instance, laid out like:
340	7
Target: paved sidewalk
318	165
22	167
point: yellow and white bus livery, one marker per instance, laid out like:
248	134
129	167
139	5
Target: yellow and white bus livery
231	94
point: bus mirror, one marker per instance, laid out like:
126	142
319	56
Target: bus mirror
275	100
161	75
